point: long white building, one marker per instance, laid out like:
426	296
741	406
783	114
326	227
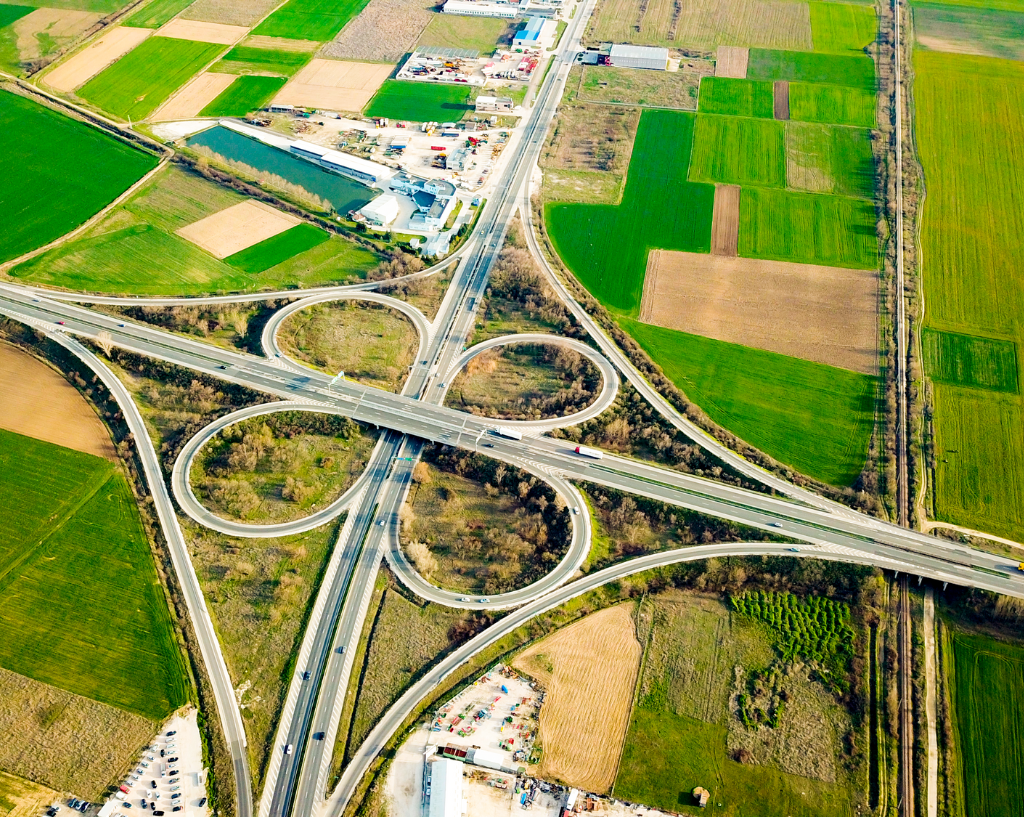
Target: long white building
445	799
469	8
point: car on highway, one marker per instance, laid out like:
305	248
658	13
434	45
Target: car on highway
576	511
795	550
288	749
318	736
60	323
483	601
381	523
465	598
305	675
774	524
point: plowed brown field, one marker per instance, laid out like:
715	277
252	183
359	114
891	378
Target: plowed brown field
823	314
731	61
38	402
725	220
88	62
589	670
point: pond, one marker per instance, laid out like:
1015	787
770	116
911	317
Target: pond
343	194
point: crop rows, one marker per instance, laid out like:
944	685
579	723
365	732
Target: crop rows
966	360
243	95
739	150
735	97
815	628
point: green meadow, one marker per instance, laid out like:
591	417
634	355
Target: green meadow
842	28
135	249
973	282
243	95
317	20
832	104
139	82
419	101
155	14
246	59
816	418
277	249
42	150
735	97
851	70
809	228
738	150
81	606
986	678
830	159
987	32
606	246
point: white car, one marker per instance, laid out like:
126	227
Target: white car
288	749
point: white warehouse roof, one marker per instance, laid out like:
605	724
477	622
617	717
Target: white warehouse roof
446	789
339	159
299	146
384	209
481	9
489	760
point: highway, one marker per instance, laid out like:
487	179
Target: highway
296	780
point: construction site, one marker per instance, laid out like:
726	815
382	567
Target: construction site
457	66
476	757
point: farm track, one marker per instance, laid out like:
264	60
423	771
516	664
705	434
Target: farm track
906	711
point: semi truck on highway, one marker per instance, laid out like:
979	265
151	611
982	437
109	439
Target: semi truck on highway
593	453
511	433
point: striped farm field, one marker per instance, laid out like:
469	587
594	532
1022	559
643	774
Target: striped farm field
967	360
800	66
973	280
986	679
41	150
81	606
243	95
419	101
142	79
816	418
606	246
830	159
832	104
246	59
735	97
738	150
277	249
808	228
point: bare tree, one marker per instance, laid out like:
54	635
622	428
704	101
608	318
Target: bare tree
105	341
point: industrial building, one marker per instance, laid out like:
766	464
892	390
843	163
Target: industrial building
381	212
529	35
468	8
494	104
633	56
454	65
361	170
434	199
445	798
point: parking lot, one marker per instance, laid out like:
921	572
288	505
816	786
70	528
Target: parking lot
169	778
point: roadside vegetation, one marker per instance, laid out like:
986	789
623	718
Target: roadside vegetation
477	525
371	344
526	381
73	527
280	467
260	593
31	135
426	294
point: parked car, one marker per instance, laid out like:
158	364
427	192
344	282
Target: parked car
202	802
172	732
173	772
172	760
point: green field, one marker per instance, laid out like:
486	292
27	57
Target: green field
973	280
155	14
139	82
986	677
80	603
831	104
419	101
735	97
842	28
606	246
277	249
10	13
317	20
964	30
243	95
134	249
40	150
808	228
966	360
817	419
737	150
452	31
802	66
830	159
245	59
998	5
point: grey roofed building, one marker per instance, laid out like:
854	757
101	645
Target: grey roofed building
634	56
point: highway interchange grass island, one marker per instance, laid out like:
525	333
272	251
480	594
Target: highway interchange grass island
483	408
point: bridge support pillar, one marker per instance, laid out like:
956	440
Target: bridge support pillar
919	579
944	585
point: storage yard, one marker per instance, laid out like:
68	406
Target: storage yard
469	752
